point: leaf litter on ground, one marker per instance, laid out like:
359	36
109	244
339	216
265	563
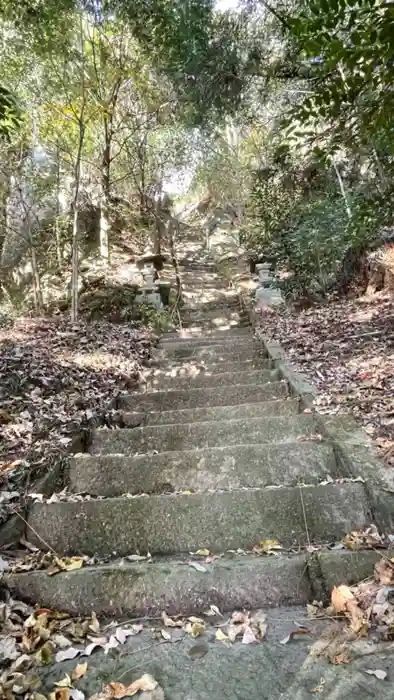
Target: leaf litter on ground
34	637
346	349
58	379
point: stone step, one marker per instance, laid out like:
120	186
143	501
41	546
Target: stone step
206	379
223	520
214	319
288	407
189	436
230	582
213	352
206	340
192	334
212	396
239	466
192	368
205	327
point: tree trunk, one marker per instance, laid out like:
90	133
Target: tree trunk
74	264
57	222
173	229
77	182
105	198
38	299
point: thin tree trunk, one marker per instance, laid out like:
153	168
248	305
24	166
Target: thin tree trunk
74	264
173	229
105	197
343	191
77	180
57	223
38	298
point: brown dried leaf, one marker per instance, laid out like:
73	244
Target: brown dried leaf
384	572
169	621
143	684
240	617
79	671
340	597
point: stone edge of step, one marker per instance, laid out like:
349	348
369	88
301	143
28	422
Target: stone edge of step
101	526
126	399
356	452
218	378
112	475
304	420
135	419
241	582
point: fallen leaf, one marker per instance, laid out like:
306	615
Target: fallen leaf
343	601
258	622
198	620
240	617
166	635
269	545
91	647
377	672
248	636
196	565
8	649
213	610
340	597
111	644
76	694
45	654
61	694
293	634
169	622
143	684
195	629
384	572
79	671
220	636
61	641
66	654
203	552
65	682
233	631
94	625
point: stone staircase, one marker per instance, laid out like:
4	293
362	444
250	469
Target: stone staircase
214	454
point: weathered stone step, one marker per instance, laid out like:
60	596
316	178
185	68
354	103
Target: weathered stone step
208	341
189	436
185	522
213	352
192	368
205	379
231	583
191	334
210	320
287	407
206	327
239	466
212	396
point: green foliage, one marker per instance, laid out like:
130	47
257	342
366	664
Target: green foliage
158	320
350	47
10	113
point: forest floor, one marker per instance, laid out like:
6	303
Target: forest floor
58	378
346	350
